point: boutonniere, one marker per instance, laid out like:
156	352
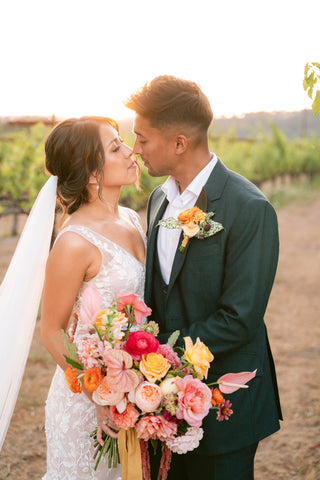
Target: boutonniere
194	223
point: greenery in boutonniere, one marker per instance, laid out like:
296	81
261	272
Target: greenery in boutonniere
194	223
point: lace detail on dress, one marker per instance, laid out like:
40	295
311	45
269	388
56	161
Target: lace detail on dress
70	418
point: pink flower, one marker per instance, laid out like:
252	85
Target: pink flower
185	443
127	419
148	396
231	382
155	427
119	374
194	400
88	352
224	411
167	352
90	305
140	309
140	343
105	395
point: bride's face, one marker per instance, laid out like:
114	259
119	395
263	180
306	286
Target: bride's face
119	167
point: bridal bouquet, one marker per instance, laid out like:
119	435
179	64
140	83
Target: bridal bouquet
155	390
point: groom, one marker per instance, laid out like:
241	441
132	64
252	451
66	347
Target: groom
218	288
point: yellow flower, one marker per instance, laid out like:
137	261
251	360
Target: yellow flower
199	217
99	321
154	366
199	356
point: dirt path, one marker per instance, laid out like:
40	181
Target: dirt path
294	328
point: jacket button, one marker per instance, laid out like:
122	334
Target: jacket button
165	290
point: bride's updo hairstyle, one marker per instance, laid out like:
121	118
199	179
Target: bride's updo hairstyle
73	152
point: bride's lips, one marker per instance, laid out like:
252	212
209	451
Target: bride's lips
133	165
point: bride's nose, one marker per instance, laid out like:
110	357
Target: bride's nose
128	150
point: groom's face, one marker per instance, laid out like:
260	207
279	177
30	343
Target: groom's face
155	147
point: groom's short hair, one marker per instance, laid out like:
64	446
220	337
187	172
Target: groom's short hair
167	101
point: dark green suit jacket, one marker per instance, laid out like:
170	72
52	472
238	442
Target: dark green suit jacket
218	291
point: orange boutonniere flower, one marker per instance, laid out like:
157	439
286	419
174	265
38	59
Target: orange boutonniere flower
194	223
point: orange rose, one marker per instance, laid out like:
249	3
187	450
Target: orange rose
72	380
217	397
92	379
189	215
154	366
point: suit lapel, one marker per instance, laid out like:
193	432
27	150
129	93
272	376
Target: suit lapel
211	191
159	204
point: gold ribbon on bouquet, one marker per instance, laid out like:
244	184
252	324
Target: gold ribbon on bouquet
130	454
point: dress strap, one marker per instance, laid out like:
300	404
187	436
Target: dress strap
85	232
136	220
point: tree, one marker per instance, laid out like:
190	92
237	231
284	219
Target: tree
311	78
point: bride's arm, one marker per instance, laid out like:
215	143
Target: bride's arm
70	262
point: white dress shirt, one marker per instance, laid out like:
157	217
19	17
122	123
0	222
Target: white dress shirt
168	238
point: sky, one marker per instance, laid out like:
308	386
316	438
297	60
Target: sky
85	57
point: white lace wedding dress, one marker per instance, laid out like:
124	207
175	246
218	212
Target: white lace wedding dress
70	418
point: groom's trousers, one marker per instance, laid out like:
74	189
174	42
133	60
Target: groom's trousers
238	465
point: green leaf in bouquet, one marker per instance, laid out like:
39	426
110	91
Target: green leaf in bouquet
154	444
173	338
179	351
71	347
73	363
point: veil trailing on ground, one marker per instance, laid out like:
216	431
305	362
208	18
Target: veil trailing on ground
20	294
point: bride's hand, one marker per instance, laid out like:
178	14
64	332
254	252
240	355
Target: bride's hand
103	415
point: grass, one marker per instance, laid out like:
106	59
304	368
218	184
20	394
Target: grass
298	191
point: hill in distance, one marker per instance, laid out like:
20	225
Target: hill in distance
293	124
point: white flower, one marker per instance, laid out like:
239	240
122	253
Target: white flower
186	442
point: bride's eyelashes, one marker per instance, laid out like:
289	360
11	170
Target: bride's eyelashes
118	146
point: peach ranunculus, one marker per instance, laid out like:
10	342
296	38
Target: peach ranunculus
199	356
154	366
194	215
105	395
155	427
140	309
72	380
92	378
119	373
127	419
148	396
190	229
194	400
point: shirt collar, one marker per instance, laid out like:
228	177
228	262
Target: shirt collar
171	189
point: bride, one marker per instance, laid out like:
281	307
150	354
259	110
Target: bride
100	243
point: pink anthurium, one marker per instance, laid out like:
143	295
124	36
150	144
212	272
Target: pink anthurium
90	305
231	382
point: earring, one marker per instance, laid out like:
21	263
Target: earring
98	186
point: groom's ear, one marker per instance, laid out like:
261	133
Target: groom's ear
181	144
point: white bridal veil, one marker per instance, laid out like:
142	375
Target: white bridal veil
20	294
